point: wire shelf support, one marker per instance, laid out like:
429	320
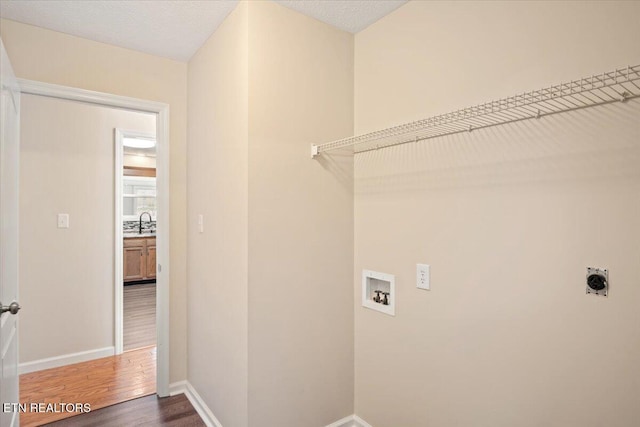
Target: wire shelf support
614	86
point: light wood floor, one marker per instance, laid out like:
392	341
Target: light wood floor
101	382
139	317
148	411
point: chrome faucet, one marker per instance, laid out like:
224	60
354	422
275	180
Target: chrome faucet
150	220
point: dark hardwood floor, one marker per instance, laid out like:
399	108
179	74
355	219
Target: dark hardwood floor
139	316
144	411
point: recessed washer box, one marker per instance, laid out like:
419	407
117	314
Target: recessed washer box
379	292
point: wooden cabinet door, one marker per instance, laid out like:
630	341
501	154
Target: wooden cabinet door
151	259
134	263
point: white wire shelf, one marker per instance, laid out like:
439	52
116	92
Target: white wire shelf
613	86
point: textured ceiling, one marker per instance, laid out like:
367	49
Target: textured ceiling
173	29
348	15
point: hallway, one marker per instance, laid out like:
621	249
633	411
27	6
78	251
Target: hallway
139	316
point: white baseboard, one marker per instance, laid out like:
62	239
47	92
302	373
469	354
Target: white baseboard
64	360
350	421
201	408
211	421
360	422
345	422
178	387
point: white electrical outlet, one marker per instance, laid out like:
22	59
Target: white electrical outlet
201	223
422	277
63	220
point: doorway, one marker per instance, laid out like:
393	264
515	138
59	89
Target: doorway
136	213
69	220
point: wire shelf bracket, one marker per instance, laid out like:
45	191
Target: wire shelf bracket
613	86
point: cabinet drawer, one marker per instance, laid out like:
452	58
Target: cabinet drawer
134	243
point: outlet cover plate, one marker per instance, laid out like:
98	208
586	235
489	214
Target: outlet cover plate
604	274
423	276
63	220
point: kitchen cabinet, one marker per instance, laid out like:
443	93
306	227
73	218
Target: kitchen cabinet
139	261
151	258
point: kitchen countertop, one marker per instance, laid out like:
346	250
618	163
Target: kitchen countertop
138	235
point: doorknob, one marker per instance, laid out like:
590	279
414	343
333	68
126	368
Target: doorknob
13	308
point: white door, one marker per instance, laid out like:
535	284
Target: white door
9	155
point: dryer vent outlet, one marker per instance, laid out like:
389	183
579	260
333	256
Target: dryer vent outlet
597	281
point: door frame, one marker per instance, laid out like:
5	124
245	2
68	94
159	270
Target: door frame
10	219
162	199
118	249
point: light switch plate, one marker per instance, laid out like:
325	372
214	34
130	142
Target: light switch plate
422	276
63	220
200	223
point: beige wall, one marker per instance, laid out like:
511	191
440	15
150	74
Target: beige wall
218	184
52	57
300	220
508	218
66	275
270	301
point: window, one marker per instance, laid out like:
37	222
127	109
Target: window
139	195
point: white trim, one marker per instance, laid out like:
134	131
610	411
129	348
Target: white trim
350	421
162	182
64	360
162	249
201	408
50	90
345	422
210	420
179	387
360	422
118	247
